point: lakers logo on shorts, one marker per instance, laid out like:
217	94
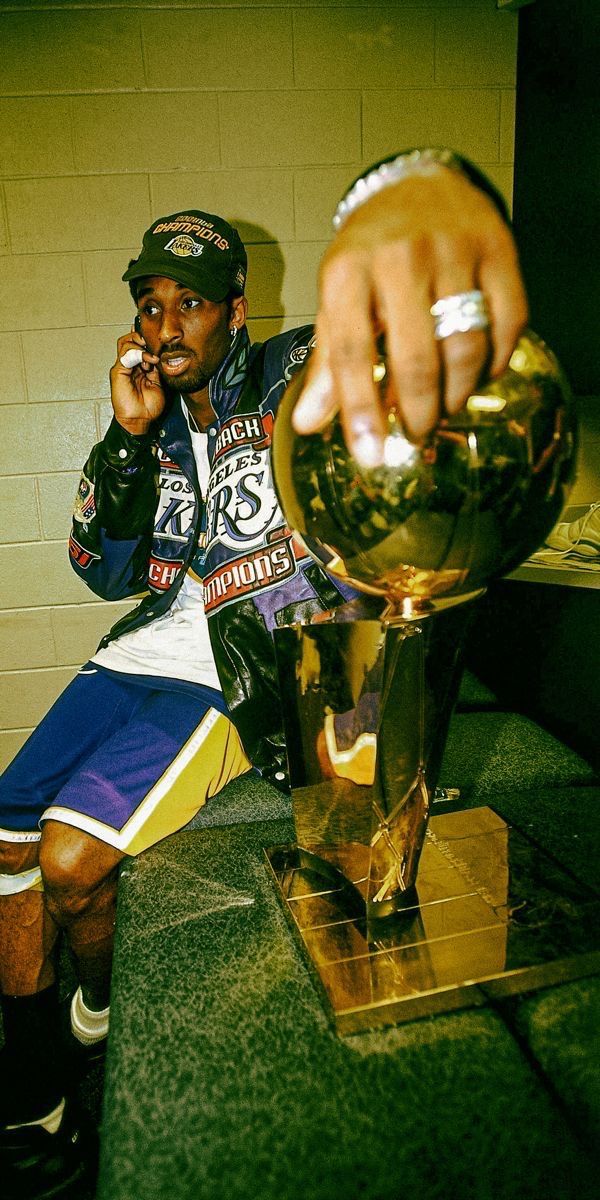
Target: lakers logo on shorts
183	246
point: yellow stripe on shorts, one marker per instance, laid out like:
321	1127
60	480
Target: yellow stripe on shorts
209	760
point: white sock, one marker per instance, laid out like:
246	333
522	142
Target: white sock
50	1123
88	1026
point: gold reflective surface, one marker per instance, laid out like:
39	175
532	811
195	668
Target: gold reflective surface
492	915
400	919
437	520
367	706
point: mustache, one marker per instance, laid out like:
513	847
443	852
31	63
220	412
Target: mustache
172	350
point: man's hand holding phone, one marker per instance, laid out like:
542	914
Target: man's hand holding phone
136	390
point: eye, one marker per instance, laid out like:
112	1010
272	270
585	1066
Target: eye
148	309
191	302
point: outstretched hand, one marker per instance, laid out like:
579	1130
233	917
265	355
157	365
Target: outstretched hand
136	392
423	238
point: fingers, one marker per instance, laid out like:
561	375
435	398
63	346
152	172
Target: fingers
502	284
341	372
136	391
487	263
317	404
425	377
464	357
399	252
131	358
132	353
403	291
134	368
429	377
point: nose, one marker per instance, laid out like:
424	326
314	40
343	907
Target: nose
170	327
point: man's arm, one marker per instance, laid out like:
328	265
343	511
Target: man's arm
434	233
117	494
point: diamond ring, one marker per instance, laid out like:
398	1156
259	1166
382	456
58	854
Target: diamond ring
459	314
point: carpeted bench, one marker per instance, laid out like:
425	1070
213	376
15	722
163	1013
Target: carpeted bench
225	1078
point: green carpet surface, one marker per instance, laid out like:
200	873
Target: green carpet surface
225	1078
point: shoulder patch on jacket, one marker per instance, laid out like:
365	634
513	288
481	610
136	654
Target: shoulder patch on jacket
300	353
84	509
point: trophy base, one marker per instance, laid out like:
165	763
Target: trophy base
493	915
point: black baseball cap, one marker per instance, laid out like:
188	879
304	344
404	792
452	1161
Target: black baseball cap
198	249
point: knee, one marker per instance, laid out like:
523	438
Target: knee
73	873
18	856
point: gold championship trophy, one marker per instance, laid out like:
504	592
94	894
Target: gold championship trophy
400	915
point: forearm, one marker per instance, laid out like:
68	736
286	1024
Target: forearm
113	514
122	471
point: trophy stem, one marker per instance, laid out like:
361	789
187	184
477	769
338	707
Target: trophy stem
367	707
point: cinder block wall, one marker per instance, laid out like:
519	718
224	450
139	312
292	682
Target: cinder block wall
114	113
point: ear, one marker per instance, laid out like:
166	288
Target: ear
238	311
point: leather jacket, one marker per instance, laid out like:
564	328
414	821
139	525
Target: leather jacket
140	521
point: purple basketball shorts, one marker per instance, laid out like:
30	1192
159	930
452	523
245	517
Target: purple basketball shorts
129	759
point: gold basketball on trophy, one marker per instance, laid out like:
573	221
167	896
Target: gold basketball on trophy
441	518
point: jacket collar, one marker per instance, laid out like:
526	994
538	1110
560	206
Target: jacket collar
174	437
226	384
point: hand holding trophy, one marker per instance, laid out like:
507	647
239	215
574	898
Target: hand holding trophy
439	519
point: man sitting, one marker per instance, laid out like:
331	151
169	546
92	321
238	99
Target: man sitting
177	502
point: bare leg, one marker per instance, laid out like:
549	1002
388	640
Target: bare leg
27	931
79	875
80	882
31	1062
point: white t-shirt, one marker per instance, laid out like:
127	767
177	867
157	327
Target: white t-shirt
176	645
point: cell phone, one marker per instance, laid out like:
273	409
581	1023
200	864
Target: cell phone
133	358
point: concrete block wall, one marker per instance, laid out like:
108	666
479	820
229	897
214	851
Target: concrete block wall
114	113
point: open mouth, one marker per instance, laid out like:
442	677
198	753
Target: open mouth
175	364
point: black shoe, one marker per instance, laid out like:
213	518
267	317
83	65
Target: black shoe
80	1059
37	1165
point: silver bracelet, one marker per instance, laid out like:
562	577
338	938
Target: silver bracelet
416	163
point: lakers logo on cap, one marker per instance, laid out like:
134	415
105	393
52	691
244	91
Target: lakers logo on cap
184	246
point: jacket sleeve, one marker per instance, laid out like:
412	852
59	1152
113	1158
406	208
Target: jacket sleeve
113	515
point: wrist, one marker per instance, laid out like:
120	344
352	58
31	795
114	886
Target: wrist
123	448
136	427
391	171
410	163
